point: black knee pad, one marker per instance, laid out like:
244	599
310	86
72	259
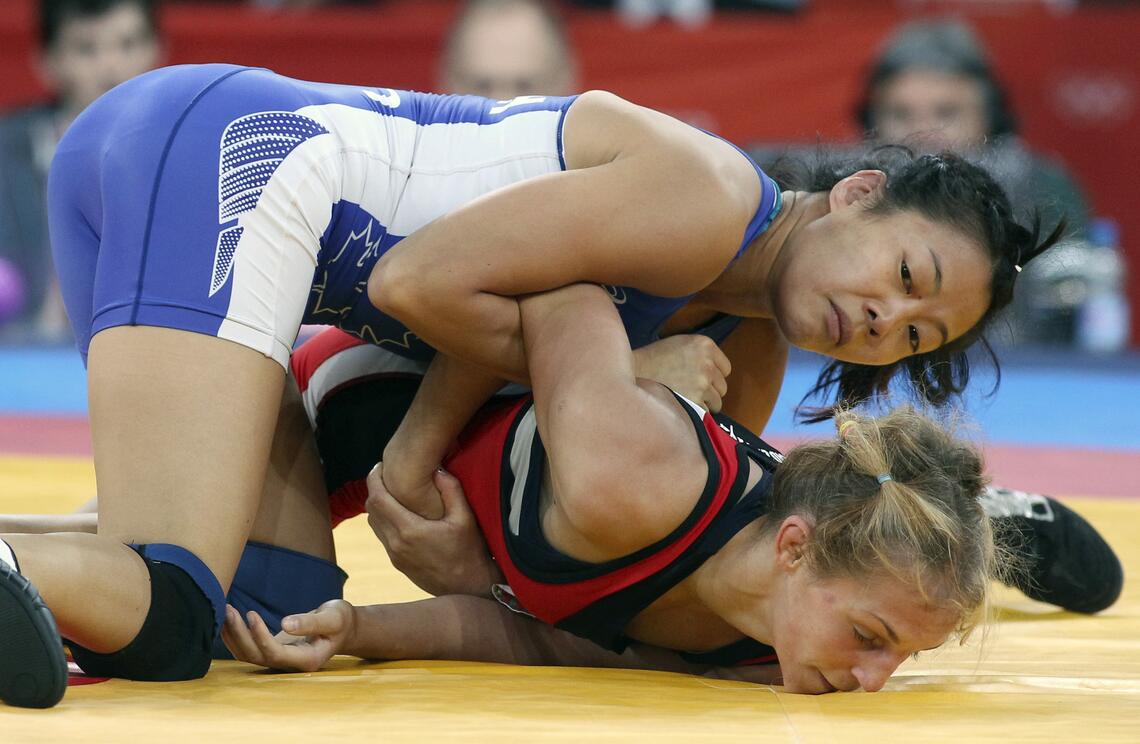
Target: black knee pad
175	640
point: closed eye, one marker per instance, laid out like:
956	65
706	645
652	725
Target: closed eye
864	640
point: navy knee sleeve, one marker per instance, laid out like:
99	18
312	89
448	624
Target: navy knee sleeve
276	582
186	610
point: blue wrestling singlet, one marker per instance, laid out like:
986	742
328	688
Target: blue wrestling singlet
238	203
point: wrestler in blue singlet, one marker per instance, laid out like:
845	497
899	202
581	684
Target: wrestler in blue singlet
238	203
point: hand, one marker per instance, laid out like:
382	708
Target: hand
407	470
440	556
307	643
689	364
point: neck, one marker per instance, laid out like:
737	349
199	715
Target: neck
737	583
747	287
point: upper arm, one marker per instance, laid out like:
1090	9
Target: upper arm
624	461
646	202
759	356
625	476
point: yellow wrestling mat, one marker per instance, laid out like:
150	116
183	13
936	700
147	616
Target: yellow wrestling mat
1044	676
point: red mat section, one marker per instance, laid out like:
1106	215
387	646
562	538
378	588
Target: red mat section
45	435
76	677
1053	470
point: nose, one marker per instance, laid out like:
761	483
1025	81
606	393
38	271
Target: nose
882	317
874	671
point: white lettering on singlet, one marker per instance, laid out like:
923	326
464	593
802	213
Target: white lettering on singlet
517	101
390	98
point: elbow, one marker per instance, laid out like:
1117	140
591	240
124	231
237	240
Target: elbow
393	287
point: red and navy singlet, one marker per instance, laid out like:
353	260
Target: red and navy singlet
499	461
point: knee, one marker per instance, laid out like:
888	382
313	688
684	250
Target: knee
176	638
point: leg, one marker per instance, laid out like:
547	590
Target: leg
1062	559
289	564
294	508
182	425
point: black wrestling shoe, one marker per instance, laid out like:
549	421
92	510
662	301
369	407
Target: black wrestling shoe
1068	563
33	670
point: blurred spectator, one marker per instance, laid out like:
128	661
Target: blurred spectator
86	48
507	48
933	89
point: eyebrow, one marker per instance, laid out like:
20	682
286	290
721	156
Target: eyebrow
890	631
937	270
942	329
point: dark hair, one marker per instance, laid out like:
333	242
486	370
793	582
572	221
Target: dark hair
55	13
947	189
944	46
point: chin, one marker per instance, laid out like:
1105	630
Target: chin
793	332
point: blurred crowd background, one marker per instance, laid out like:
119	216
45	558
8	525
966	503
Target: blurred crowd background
1044	92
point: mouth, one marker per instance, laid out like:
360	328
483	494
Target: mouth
838	325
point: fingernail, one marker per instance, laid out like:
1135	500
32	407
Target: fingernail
288	624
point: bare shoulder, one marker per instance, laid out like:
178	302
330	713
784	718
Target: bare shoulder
638	488
602	127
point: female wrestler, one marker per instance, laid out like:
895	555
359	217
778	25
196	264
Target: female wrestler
851	555
161	253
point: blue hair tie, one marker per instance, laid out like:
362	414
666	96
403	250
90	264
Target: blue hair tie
883	478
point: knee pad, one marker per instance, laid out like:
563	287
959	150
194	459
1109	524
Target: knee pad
187	607
276	582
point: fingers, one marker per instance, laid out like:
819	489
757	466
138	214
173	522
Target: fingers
713	401
325	620
307	656
719	384
455	506
720	359
385	507
238	639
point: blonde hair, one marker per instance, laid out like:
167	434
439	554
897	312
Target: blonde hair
895	495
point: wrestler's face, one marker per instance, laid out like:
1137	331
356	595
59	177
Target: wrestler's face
848	634
871	288
93	54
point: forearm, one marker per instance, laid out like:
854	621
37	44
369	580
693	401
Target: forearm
38	524
575	343
456	627
476	629
449	312
450	394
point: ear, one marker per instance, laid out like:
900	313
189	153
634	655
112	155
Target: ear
791	543
857	188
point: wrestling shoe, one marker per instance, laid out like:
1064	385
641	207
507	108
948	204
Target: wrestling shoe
1067	562
33	670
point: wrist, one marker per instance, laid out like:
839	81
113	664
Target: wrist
350	645
407	466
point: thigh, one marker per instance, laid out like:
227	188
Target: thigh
294	507
181	425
